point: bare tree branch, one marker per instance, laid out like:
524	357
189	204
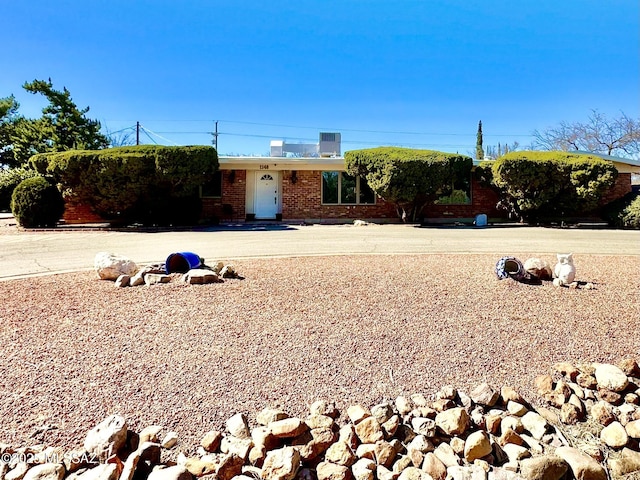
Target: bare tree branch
599	134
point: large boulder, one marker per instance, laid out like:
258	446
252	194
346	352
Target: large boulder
110	266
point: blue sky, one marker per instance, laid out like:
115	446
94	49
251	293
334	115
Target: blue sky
416	73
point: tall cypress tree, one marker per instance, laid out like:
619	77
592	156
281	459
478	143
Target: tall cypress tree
479	149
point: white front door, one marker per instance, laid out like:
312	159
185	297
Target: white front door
266	196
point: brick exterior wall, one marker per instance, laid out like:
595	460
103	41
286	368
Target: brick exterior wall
483	200
303	201
619	189
234	188
75	213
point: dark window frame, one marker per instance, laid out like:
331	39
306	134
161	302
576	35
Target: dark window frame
213	188
358	192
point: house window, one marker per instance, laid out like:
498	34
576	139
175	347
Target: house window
459	193
340	188
213	188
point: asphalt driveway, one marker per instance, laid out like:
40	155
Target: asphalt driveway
24	253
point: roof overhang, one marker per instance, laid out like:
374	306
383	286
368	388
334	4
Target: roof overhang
281	163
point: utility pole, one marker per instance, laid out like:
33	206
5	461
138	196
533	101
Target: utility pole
215	137
137	133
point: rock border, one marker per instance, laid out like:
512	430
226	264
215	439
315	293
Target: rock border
488	434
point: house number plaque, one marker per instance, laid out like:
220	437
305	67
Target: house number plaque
264	167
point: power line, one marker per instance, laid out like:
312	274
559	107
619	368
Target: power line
336	129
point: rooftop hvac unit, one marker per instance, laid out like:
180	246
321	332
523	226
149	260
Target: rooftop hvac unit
330	144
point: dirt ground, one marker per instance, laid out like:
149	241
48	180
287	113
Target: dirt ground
351	329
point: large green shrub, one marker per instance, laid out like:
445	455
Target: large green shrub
409	178
624	212
547	184
9	179
37	203
148	184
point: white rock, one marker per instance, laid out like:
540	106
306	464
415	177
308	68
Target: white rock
176	472
281	464
453	421
147	452
403	405
515	452
413	473
472	472
446	455
46	471
633	429
104	471
17	472
535	424
611	377
198	276
107	437
238	427
363	469
268	415
110	266
582	465
477	446
484	394
156	278
170	440
614	435
331	471
123	281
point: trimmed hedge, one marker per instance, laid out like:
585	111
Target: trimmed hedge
535	185
407	177
9	180
624	212
37	203
148	184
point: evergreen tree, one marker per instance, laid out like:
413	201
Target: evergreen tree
65	126
8	119
479	149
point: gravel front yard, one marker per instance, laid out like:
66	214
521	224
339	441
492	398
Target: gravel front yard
358	329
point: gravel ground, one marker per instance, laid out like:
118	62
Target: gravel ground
359	329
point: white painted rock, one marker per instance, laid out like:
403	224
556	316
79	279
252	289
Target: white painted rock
110	266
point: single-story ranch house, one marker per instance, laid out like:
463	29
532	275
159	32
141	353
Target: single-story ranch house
313	187
318	190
